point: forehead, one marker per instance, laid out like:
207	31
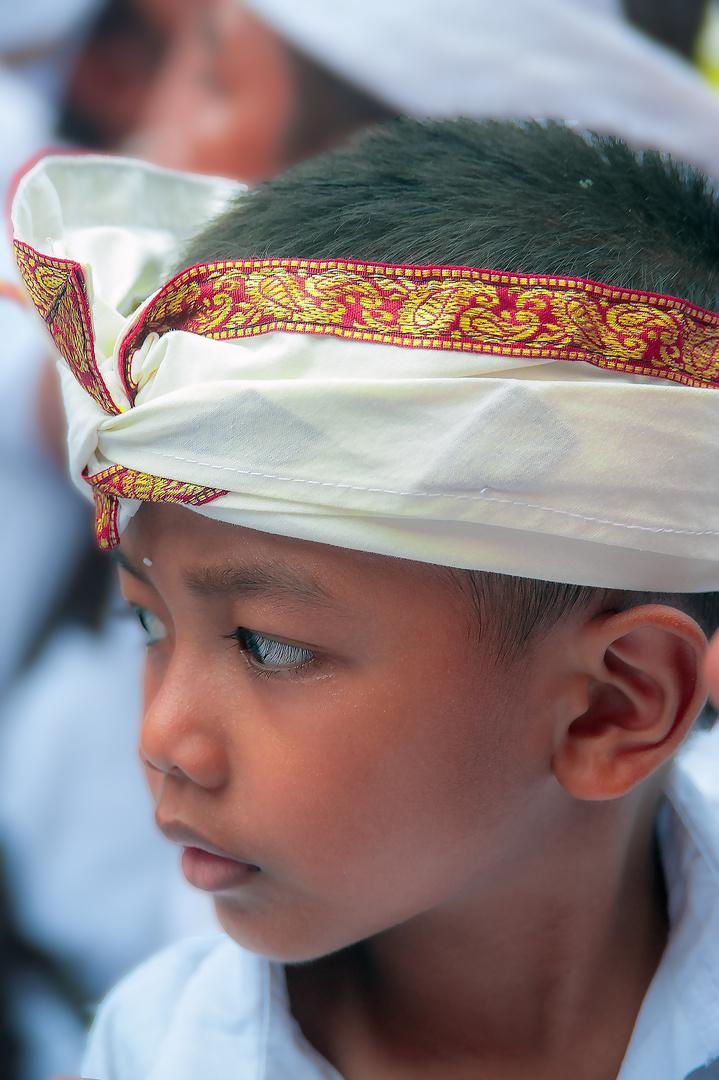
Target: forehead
209	555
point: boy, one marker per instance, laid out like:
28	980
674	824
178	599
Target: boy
426	556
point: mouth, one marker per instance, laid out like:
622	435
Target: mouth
206	866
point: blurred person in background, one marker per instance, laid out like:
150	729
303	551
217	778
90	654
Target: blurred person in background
244	91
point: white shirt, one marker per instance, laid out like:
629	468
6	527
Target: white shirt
207	1008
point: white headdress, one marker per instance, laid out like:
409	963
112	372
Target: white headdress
544	427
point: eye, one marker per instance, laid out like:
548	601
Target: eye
269	654
153	627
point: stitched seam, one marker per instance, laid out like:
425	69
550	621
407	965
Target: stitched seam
432	495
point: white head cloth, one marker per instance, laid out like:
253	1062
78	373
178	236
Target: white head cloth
574	60
460	417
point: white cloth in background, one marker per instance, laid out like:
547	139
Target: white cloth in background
209	1008
93	881
574	60
607	479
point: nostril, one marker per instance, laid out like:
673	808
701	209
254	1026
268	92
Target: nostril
198	757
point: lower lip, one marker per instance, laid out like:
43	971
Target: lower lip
213	873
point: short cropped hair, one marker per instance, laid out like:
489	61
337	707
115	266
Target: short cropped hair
521	197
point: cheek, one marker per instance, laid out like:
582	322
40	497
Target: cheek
374	795
390	809
153	675
151	683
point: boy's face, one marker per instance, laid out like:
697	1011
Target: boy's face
329	722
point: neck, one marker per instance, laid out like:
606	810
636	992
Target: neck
544	969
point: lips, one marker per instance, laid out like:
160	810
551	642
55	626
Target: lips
205	866
215	873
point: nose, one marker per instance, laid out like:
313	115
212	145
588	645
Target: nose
182	734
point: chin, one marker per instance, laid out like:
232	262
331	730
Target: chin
288	937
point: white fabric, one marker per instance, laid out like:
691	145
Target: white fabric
208	1008
555	470
577	60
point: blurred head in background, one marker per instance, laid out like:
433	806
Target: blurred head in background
207	87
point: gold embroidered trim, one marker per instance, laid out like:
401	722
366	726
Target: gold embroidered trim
118	482
454	308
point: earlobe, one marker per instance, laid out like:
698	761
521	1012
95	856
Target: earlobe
642	691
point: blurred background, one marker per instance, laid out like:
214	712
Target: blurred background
87	886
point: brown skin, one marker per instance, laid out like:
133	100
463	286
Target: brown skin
199	85
206	86
484	829
222	101
711	669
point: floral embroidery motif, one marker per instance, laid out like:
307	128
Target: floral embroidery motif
57	288
118	482
439	308
106	527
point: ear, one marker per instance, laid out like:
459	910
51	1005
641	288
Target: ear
711	668
639	675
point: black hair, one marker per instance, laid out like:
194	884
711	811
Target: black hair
521	609
521	197
524	197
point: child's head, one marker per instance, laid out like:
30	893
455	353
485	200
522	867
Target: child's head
339	723
432	611
529	198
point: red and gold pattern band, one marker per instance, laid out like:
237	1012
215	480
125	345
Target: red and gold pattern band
423	307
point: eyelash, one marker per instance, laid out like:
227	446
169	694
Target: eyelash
147	619
278	656
267	656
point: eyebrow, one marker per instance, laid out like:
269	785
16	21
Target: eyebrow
120	560
282	581
279	580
